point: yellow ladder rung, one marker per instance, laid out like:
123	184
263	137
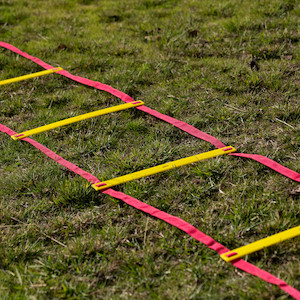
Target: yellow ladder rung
42	73
76	119
161	168
258	245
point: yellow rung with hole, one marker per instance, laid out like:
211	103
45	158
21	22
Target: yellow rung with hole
258	245
161	168
96	113
33	75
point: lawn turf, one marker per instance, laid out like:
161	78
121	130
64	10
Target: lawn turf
229	68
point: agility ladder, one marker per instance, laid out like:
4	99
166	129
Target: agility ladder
234	253
228	256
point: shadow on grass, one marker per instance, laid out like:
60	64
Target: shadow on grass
78	195
17	256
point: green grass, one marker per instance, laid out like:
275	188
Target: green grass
190	60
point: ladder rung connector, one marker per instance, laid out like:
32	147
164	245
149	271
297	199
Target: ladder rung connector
64	122
161	168
261	244
33	75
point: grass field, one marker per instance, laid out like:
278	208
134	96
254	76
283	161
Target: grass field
229	68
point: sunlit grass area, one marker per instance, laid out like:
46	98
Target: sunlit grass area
229	68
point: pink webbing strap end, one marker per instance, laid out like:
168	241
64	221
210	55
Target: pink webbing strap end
97	185
17	136
136	102
227	149
226	256
231	254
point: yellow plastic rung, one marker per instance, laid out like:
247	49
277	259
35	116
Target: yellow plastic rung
161	168
76	119
42	73
258	245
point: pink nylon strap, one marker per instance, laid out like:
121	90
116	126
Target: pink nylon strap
179	124
89	177
271	164
205	239
174	221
